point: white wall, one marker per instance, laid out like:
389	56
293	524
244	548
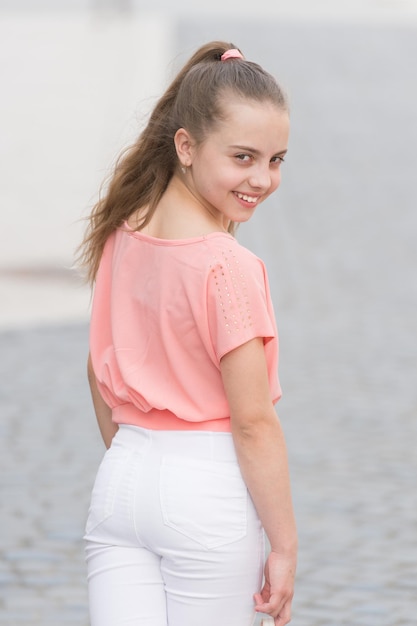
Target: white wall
74	91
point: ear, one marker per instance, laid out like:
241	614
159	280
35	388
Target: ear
184	145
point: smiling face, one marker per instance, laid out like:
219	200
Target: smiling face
238	164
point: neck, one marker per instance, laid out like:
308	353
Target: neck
181	210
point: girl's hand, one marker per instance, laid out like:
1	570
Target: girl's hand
278	590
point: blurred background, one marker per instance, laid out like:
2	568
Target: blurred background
78	80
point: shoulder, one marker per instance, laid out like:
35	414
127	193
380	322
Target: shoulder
226	253
227	247
236	276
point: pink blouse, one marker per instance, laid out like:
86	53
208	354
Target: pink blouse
164	313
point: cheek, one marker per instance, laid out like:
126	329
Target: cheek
219	182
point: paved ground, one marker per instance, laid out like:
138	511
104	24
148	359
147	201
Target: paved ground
340	248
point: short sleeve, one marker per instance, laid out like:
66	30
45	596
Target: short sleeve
238	300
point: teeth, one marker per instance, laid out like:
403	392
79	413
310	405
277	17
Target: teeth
246	198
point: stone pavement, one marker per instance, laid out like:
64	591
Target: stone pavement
48	449
339	242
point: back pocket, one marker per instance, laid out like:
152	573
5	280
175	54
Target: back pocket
204	500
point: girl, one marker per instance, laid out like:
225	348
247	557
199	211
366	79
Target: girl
183	363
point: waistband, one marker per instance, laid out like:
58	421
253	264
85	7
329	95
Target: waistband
202	444
165	420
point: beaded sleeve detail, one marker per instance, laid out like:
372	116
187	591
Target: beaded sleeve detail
232	292
239	307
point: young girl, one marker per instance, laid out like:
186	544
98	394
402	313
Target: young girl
183	363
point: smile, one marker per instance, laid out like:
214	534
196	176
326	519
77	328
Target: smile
243	196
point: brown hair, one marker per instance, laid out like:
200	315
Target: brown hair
192	101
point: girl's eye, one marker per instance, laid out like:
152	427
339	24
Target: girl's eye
245	158
277	159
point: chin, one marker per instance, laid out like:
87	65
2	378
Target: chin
243	218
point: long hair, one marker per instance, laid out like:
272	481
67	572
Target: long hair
143	171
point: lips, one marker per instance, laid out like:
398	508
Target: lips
246	198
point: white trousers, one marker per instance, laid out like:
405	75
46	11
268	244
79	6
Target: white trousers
172	536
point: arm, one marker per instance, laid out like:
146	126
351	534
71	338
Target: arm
262	456
103	412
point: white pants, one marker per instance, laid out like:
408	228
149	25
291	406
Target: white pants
172	536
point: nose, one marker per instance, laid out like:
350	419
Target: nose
261	178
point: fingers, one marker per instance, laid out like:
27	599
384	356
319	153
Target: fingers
284	616
280	620
258	600
281	613
273	606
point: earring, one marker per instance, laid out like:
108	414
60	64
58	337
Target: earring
183	169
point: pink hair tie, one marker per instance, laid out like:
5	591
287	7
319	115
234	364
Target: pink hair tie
233	53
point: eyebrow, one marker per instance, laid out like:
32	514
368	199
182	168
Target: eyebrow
255	151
